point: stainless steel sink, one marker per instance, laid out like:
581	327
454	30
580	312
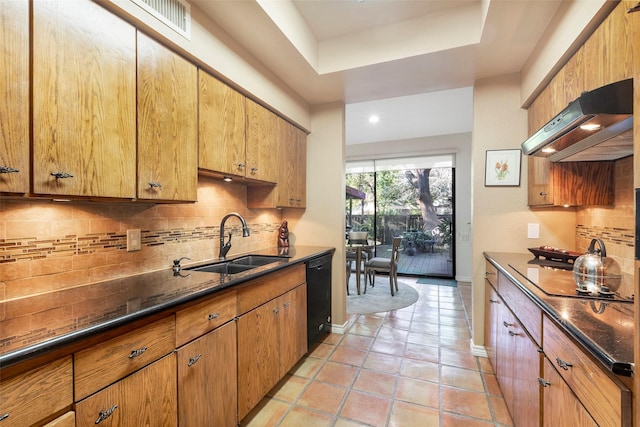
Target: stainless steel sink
224	268
257	260
238	265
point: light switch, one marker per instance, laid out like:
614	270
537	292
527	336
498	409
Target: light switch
533	231
133	240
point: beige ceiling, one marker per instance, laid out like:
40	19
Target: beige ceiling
380	52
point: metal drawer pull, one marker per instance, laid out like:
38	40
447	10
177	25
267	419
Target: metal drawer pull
287	304
542	193
138	352
7	169
276	310
155	185
106	414
564	365
543	382
61	175
241	165
213	316
4	417
507	325
493	301
513	334
193	360
489	273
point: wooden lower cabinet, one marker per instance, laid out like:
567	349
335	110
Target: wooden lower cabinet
561	406
274	339
66	420
37	394
207	386
515	358
147	397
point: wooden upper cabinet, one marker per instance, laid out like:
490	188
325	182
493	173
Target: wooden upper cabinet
221	127
14	96
608	53
167	124
262	144
292	181
84	101
291	188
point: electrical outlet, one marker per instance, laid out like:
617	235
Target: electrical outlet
133	240
533	231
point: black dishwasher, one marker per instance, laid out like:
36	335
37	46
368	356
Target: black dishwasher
318	297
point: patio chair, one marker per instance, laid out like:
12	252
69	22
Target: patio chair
380	264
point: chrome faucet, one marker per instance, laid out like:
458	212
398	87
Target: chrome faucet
224	247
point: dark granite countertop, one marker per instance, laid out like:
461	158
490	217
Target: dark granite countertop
38	324
604	327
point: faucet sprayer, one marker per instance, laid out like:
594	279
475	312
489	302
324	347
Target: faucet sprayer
224	247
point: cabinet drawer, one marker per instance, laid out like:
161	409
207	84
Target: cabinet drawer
259	291
66	420
491	274
528	313
39	393
107	362
205	316
607	400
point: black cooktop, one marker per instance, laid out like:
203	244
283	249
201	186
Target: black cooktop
555	278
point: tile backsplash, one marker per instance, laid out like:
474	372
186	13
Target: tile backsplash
614	225
47	245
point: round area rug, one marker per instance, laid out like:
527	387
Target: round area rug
378	298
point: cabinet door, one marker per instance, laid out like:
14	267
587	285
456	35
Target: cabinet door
492	307
84	101
540	190
207	387
221	127
561	407
262	144
14	96
167	124
292	182
505	355
292	327
147	397
258	361
526	371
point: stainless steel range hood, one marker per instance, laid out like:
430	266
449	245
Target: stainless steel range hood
596	126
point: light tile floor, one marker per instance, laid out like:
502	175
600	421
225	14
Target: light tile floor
408	367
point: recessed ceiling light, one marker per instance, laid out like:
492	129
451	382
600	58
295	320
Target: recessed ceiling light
374	119
548	150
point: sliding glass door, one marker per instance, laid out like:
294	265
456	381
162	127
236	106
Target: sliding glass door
407	197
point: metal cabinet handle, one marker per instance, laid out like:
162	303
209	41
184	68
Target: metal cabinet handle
7	169
155	185
287	304
213	316
489	273
106	414
241	165
138	352
276	310
254	170
61	175
513	334
507	325
564	365
4	417
543	193
543	382
493	301
194	360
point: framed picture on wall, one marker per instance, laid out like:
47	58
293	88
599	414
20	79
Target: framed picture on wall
502	168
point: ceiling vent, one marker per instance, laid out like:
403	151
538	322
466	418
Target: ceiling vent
176	14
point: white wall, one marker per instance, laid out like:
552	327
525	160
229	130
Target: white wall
323	222
500	214
460	144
